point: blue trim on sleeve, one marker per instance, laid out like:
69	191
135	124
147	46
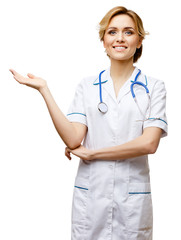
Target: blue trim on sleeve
139	192
81	188
158	119
76	113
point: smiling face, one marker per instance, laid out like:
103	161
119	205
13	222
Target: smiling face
121	38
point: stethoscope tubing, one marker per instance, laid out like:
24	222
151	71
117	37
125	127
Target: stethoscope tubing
132	93
138	83
100	86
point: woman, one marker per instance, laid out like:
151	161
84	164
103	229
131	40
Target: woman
112	195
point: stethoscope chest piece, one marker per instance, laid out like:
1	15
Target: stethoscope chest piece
103	108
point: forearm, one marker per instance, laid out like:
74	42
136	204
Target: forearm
137	147
64	128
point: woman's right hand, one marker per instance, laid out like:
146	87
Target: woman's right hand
32	81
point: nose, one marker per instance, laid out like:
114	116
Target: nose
120	37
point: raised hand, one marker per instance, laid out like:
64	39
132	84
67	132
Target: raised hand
32	81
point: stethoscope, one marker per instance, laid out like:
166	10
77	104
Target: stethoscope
103	108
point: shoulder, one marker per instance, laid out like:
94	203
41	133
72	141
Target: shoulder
92	80
153	83
85	82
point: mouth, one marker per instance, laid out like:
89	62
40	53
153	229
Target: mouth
119	47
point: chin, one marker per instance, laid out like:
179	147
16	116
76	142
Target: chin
118	58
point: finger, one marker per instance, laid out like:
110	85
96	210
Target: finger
68	150
20	80
17	79
18	76
12	71
67	154
30	75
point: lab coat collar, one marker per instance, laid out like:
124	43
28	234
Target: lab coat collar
103	78
107	84
125	89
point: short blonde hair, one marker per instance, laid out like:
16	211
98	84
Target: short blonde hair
138	24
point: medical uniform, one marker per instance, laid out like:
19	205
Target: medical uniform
112	199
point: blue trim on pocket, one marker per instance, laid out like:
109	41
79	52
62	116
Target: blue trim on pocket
76	113
158	119
81	188
139	192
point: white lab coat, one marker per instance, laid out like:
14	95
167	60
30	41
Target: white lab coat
112	199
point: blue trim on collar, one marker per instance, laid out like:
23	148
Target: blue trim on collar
145	81
96	81
101	82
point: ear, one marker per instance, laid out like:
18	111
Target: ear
139	42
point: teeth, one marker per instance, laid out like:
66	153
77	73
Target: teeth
120	47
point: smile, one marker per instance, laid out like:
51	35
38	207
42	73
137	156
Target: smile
120	47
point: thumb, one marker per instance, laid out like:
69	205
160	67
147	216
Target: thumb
30	75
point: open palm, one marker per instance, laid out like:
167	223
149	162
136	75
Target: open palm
31	81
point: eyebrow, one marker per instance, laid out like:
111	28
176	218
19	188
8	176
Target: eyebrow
123	28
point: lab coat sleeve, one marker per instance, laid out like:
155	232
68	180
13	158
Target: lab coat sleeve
76	111
158	108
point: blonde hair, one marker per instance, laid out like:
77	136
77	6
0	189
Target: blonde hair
138	24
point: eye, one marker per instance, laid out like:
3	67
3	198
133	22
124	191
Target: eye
112	32
128	32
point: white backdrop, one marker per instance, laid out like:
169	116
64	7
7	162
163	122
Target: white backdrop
58	40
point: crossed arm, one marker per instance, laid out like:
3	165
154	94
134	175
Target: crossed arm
73	133
147	143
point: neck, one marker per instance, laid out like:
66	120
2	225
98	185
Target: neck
121	70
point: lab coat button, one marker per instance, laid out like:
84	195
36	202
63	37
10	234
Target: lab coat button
110	196
111	166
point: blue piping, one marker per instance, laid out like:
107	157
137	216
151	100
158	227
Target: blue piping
81	188
76	113
146	80
139	192
158	119
101	82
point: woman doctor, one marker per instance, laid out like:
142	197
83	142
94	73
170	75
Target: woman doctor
112	194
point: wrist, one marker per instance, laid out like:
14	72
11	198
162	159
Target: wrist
44	89
92	154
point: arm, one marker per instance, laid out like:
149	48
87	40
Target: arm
71	133
147	143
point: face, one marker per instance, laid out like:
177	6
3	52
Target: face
121	38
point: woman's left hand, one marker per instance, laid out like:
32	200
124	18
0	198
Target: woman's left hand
81	152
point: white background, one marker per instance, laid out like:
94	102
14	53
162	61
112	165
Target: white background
58	41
